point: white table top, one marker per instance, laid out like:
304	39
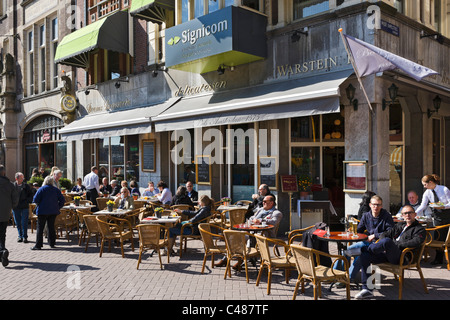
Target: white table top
116	212
160	220
73	206
231	207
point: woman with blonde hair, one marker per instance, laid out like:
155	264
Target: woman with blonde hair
439	195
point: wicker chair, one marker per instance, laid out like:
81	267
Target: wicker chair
115	231
101	202
236	249
92	228
139	204
310	269
436	244
210	240
244	202
297	234
66	220
181	207
273	262
185	237
236	216
31	216
80	214
414	264
149	238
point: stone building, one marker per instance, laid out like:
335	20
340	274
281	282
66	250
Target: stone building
232	94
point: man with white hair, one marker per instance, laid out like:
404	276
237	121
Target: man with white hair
20	212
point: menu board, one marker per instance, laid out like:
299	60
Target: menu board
268	171
203	169
355	176
289	183
148	155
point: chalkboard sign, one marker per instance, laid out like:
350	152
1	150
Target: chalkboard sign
148	162
268	171
203	169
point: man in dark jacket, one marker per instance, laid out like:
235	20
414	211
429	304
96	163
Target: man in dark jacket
407	234
20	212
8	199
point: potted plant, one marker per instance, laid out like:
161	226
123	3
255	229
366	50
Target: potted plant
65	184
135	196
159	211
226	201
39	181
76	200
304	185
110	205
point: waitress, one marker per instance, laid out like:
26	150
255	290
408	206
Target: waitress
436	193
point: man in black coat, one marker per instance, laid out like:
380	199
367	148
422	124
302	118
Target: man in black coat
407	234
8	199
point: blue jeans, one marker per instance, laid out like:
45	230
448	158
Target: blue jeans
355	267
21	220
175	231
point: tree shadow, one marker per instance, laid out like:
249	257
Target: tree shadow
47	266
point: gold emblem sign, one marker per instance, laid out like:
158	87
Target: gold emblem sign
68	103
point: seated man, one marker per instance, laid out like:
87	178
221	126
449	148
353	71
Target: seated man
270	214
115	188
414	201
407	234
373	223
105	187
191	193
124	200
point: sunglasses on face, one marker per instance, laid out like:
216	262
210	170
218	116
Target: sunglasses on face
409	212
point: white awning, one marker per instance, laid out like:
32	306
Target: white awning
280	100
118	123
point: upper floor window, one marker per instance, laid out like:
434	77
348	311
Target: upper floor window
53	45
30	62
306	8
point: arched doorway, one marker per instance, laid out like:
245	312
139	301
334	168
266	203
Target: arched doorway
43	146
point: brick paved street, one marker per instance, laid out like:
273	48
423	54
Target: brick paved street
44	275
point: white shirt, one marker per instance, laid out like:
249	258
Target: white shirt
90	181
166	196
443	194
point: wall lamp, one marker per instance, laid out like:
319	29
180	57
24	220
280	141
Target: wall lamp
296	34
88	89
350	92
436	104
393	91
436	36
155	71
124	79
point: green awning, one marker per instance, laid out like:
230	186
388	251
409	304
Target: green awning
151	10
110	33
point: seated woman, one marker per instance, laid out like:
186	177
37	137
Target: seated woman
134	188
181	197
150	191
164	195
125	201
206	205
79	186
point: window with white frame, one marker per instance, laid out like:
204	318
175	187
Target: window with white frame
154	43
42	60
53	45
30	62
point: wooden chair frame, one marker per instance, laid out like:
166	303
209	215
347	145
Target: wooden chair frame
115	231
157	243
210	242
307	261
437	244
185	237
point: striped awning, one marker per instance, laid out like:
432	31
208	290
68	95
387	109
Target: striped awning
397	156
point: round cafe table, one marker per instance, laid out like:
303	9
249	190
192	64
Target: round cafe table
342	239
253	227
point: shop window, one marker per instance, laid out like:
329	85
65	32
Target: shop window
132	158
396	157
103	158
395	123
333	127
185	150
305	129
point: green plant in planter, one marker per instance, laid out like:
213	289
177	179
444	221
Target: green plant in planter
65	183
39	180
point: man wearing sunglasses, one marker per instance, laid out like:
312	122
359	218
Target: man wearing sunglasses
268	213
407	234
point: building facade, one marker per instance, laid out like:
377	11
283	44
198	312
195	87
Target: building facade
232	94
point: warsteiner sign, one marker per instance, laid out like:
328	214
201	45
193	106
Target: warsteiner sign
68	103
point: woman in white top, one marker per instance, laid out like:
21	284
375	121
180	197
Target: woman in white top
436	193
164	195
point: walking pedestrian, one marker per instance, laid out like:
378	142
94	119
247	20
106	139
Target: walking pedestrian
20	212
49	200
8	199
